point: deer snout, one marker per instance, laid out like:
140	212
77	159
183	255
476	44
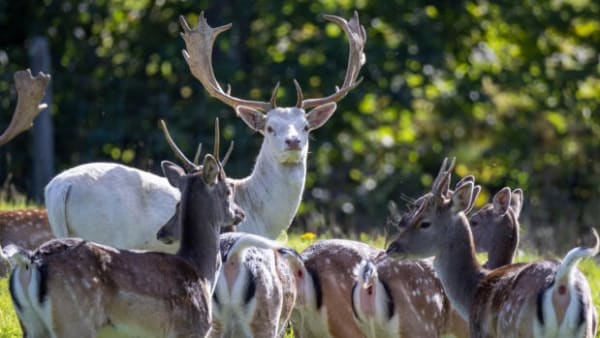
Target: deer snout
292	143
164	236
394	250
238	216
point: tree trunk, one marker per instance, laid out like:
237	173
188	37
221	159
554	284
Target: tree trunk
43	130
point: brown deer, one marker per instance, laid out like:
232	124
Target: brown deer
496	227
324	286
75	288
540	299
26	228
256	289
30	93
279	174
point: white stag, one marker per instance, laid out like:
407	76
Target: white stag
540	299
272	193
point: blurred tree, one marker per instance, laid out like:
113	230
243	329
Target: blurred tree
511	89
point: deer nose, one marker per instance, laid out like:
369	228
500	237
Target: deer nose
293	143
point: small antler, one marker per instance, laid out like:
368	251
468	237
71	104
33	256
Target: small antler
30	92
357	37
189	165
441	184
198	55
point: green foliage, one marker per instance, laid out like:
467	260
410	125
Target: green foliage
511	89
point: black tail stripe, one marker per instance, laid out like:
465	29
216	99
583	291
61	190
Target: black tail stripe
317	284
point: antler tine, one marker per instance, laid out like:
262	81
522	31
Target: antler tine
299	95
273	100
199	43
30	91
189	165
357	37
217	139
227	154
442	181
197	155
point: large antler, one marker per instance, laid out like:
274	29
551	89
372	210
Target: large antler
198	54
357	37
441	184
30	91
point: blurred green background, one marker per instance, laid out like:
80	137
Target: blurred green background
511	88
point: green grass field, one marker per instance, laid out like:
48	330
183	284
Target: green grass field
9	326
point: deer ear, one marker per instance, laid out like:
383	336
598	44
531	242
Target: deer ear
210	170
253	118
476	190
172	172
462	197
501	201
516	201
318	116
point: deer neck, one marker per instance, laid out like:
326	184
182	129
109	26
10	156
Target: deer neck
458	268
200	239
504	249
273	192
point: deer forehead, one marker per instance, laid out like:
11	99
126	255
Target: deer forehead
286	117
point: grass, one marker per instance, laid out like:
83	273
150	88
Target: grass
9	326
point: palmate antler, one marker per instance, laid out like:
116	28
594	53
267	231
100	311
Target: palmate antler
200	40
30	92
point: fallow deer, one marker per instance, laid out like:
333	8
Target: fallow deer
495	227
271	194
75	288
30	92
27	228
540	299
256	289
404	298
324	286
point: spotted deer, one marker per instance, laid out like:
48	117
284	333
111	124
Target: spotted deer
271	194
539	299
256	289
30	91
75	288
496	227
404	298
324	288
27	228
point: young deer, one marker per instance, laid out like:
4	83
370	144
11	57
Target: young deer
256	289
541	299
30	93
272	193
324	286
495	227
404	298
75	288
26	228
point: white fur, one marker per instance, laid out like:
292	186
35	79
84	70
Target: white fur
111	204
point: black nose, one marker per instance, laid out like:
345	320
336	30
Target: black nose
392	249
293	143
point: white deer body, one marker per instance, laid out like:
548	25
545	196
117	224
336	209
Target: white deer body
112	204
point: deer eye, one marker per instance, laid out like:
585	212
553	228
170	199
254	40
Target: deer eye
270	129
425	225
306	127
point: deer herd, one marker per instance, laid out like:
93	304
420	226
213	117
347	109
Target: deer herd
123	252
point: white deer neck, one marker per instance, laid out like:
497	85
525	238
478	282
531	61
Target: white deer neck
271	195
458	269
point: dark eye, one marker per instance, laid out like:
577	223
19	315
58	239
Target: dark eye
474	223
306	127
270	129
425	225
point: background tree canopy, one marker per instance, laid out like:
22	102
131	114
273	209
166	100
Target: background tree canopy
512	89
